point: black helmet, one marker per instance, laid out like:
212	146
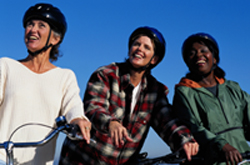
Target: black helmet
207	39
155	35
48	13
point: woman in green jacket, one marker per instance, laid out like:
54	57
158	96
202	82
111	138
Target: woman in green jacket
215	109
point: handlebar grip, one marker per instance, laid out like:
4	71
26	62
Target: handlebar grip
60	121
246	155
73	132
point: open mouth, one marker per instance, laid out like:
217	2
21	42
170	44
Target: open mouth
201	62
138	55
33	38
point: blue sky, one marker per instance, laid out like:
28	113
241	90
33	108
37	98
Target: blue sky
98	33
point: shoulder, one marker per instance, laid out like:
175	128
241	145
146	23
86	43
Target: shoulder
64	72
157	85
108	68
234	89
186	91
113	70
184	88
7	60
7	63
231	84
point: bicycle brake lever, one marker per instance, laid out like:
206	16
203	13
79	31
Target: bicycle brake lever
73	133
174	158
142	155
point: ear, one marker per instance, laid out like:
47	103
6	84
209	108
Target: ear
215	61
55	39
154	60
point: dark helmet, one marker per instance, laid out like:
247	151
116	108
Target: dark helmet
48	13
204	37
153	34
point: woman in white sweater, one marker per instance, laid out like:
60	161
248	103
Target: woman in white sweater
35	90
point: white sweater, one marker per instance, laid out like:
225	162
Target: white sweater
26	97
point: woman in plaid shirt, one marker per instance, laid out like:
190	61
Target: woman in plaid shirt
123	100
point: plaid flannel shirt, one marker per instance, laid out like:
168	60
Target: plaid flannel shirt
105	100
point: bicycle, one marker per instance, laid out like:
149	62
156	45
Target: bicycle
175	158
69	129
72	132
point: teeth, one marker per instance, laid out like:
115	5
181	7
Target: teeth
200	62
138	56
33	37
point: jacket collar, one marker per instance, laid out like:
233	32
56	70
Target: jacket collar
124	74
192	84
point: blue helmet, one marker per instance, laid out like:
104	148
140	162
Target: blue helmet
153	34
48	13
204	37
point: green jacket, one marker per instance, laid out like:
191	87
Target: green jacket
214	121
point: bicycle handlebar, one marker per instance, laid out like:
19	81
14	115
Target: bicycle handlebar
33	144
172	158
175	158
69	129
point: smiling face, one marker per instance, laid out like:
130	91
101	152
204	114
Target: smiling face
36	35
200	59
141	52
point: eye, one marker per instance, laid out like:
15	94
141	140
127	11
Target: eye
136	43
30	23
191	53
204	50
147	47
42	25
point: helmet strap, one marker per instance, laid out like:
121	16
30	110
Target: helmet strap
44	48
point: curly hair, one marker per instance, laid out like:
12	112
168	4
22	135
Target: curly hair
55	53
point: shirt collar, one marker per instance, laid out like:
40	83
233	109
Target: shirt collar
124	74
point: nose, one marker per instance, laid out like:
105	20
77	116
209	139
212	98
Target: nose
34	28
140	47
198	53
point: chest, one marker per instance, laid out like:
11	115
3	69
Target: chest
216	112
28	88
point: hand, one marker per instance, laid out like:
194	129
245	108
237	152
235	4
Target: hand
232	155
118	132
85	127
191	149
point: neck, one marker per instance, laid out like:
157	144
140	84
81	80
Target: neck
208	82
136	77
204	81
39	63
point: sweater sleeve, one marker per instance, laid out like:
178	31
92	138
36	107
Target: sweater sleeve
72	106
168	127
2	79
